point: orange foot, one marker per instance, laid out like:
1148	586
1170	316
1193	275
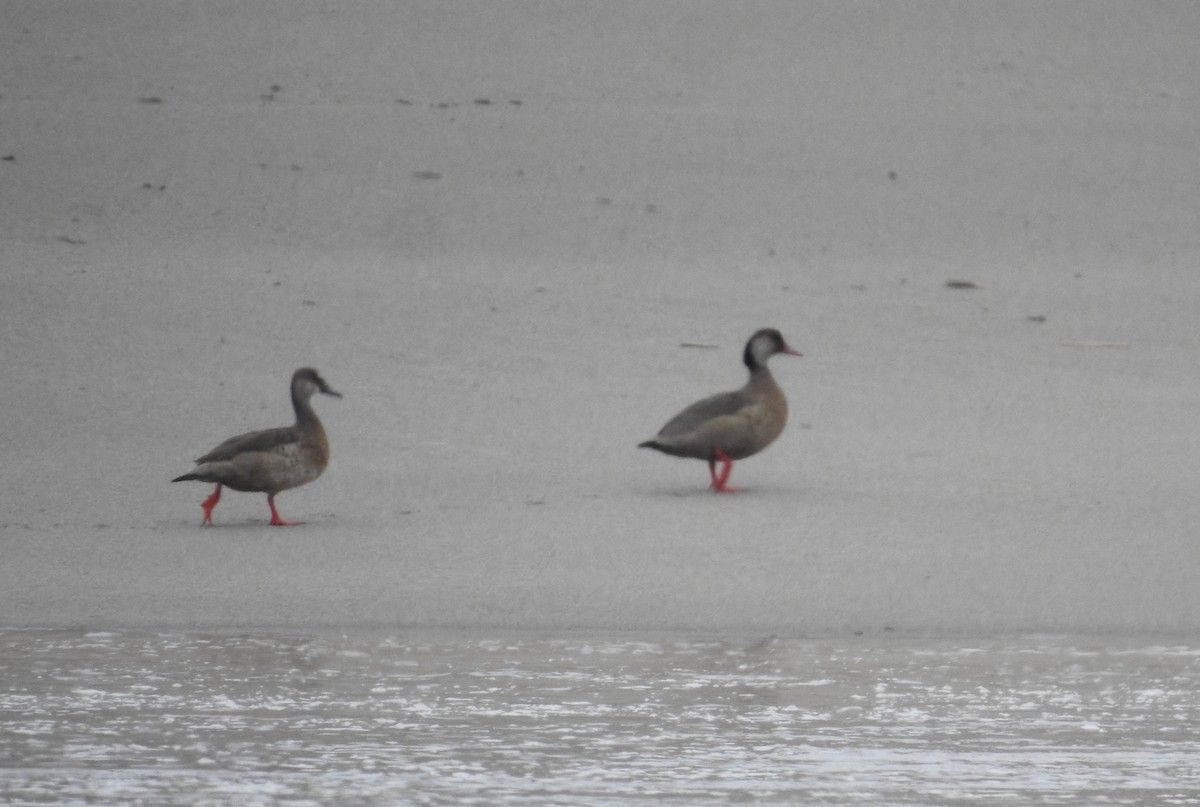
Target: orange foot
276	521
209	503
719	480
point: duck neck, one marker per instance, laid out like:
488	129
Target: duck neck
306	417
757	370
761	380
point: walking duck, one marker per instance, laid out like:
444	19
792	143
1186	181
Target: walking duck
271	460
731	425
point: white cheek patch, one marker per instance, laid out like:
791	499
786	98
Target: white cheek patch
762	349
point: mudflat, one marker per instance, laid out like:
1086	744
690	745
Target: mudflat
518	237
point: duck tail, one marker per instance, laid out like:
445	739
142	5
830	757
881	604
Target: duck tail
651	444
187	478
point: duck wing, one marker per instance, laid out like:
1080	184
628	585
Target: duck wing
704	411
250	442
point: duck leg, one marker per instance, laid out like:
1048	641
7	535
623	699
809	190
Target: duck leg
209	503
718	481
276	521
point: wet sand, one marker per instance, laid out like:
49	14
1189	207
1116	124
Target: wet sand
495	229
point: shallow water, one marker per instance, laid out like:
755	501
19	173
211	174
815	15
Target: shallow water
364	718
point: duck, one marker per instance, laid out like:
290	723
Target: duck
271	460
732	425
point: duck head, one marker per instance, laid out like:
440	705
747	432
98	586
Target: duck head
763	345
306	382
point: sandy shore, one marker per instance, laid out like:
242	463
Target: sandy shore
496	227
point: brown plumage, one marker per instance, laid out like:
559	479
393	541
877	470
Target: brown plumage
731	425
271	460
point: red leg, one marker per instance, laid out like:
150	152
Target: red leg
209	503
276	521
726	469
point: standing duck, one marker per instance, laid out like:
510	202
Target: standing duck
731	425
271	460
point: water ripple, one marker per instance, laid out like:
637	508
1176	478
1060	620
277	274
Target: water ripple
188	719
